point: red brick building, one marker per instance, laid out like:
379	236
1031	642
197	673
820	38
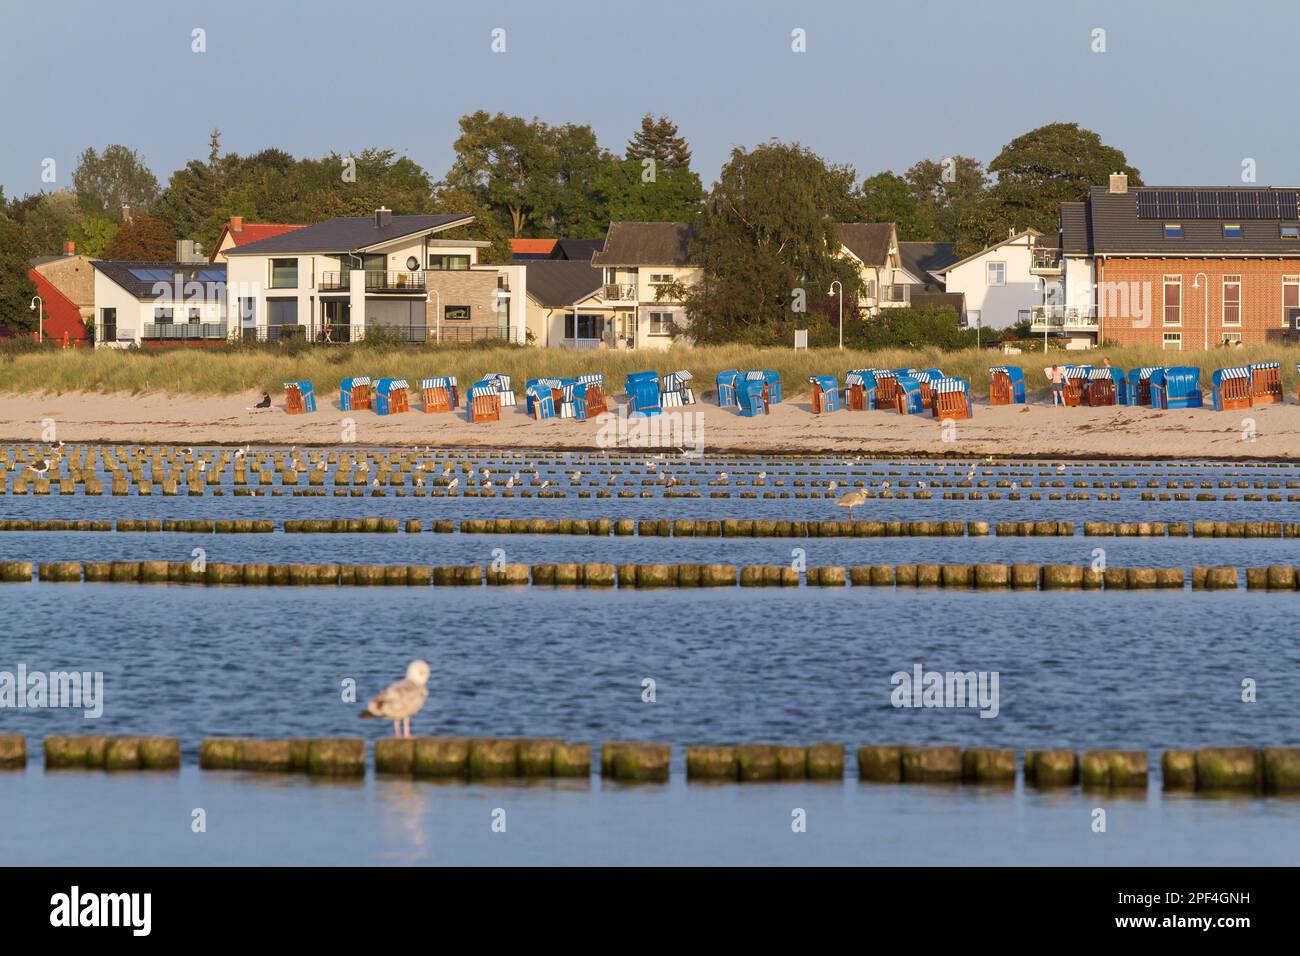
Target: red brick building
1184	269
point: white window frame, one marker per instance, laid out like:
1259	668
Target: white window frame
1289	281
1176	338
1230	281
988	272
659	318
1232	337
1171	280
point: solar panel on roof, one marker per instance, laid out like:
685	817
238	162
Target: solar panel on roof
151	275
1229	204
211	275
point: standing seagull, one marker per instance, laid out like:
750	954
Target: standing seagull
401	701
852	500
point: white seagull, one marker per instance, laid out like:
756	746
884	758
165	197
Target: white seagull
401	701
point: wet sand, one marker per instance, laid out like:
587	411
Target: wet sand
1271	432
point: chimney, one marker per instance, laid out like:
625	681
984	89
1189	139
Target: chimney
236	223
1118	183
69	247
383	217
126	212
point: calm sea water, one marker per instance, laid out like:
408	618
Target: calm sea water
1146	670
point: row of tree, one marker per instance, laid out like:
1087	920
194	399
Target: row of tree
768	225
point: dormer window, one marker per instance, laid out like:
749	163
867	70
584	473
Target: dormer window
1232	230
1173	230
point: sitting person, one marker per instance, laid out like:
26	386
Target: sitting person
265	402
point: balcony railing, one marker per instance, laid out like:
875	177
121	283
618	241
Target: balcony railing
375	282
184	330
1063	317
620	293
1046	260
895	294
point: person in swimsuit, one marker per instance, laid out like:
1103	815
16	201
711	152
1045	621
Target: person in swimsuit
1058	386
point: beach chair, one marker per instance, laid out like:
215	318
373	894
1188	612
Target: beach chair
1075	376
925	377
484	402
354	393
1101	386
299	397
860	391
437	393
574	404
825	394
1230	387
643	393
773	386
907	398
726	383
886	388
1265	383
505	394
596	404
1006	385
391	396
1177	386
1139	385
751	394
540	397
950	398
675	390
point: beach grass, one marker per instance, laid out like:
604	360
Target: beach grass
241	369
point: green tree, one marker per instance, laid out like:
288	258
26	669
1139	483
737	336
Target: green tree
1045	167
144	237
105	181
450	201
16	286
192	193
767	240
889	198
94	235
48	219
657	139
951	192
673	195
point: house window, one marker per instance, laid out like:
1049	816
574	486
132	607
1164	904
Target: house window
1290	298
284	273
1231	338
1232	300
973	319
996	273
162	316
1290	232
1232	230
108	325
456	313
588	326
1173	300
196	315
248	310
1173	341
440	263
661	323
1173	230
1024	315
660	278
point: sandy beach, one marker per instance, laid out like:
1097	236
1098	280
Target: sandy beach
1029	430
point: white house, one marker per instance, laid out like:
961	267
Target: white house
998	282
333	281
639	260
148	304
873	247
566	305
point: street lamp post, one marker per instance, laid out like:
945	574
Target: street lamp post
832	292
1205	311
40	317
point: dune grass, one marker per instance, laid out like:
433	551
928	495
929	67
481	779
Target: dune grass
243	369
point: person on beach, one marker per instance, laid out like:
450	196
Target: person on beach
1057	376
265	402
1105	362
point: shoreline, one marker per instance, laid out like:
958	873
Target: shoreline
1017	431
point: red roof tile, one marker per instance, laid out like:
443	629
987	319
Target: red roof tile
533	246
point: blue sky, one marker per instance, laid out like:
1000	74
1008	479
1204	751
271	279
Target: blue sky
1187	89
